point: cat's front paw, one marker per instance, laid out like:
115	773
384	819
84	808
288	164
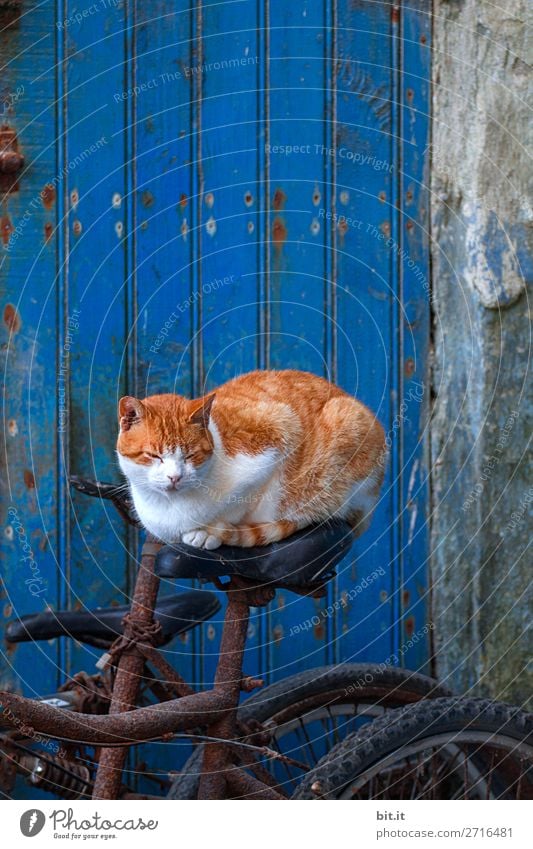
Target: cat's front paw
201	539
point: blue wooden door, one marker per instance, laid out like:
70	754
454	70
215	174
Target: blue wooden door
205	192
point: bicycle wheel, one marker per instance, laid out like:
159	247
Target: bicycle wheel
441	749
308	713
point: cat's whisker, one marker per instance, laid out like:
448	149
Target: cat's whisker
123	487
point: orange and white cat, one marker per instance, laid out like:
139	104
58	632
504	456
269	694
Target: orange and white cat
261	457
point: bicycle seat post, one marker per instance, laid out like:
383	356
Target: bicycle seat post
129	671
216	767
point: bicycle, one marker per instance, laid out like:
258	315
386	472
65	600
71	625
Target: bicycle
252	741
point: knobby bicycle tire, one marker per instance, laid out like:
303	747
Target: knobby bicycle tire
362	755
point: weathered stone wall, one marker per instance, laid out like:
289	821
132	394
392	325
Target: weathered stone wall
482	239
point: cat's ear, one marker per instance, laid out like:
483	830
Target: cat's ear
130	412
200	415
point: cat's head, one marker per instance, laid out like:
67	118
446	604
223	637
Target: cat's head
164	444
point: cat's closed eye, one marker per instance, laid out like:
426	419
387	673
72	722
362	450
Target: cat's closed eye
150	456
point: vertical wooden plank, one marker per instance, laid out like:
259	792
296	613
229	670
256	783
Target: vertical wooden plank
95	190
367	298
160	106
298	159
163	199
28	340
228	75
415	320
229	234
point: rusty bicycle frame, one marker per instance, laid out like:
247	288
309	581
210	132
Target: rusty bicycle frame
214	710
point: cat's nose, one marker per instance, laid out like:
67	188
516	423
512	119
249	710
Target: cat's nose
174	479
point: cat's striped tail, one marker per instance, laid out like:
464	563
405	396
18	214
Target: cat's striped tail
262	533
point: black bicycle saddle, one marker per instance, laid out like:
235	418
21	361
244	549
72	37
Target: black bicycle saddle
306	558
100	627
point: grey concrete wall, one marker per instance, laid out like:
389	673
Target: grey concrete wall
482	219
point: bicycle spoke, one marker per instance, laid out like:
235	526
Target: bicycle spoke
309	745
275	745
335	729
491	771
